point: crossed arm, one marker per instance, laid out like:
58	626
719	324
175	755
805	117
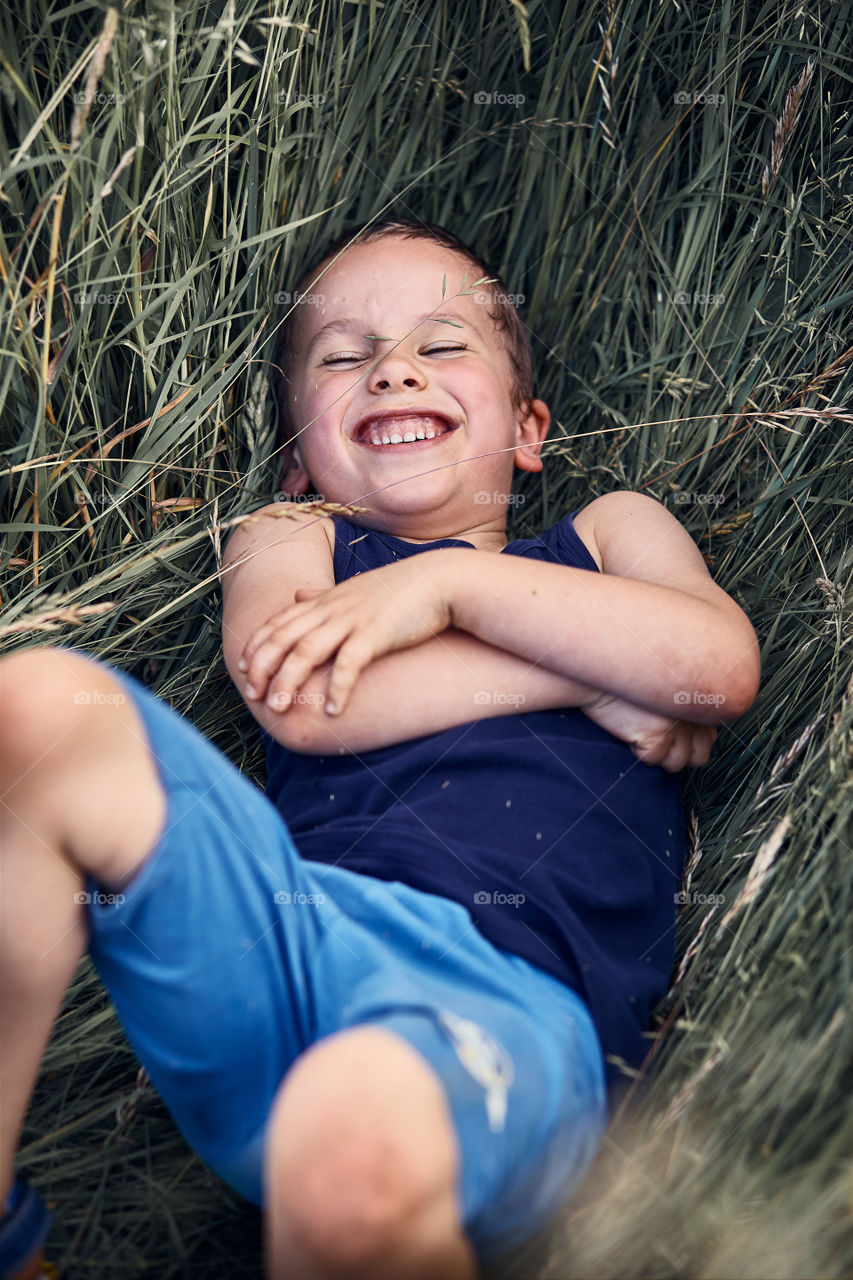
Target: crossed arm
443	638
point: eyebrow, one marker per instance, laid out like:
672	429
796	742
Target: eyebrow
349	325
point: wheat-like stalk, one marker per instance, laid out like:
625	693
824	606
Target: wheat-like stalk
785	127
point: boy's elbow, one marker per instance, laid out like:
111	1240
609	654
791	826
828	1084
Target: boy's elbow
300	728
743	678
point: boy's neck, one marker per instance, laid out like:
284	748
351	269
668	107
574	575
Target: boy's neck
481	539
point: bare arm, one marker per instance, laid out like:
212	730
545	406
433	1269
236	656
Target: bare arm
448	680
652	629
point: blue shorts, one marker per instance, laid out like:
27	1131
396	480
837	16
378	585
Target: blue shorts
227	955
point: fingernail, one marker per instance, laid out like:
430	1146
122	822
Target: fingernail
332	708
251	691
242	664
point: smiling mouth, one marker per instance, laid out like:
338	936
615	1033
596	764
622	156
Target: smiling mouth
403	429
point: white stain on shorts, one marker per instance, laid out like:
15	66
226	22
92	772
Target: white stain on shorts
484	1059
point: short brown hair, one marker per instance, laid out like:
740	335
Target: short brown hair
502	312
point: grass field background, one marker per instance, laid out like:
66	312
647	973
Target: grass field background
670	189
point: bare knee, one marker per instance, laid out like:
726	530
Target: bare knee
360	1148
45	694
75	762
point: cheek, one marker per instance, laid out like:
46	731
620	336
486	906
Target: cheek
487	385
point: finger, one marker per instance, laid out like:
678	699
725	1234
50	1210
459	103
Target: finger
262	633
353	657
701	746
308	593
659	749
654	748
276	640
312	650
678	756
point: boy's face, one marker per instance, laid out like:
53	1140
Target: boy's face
372	360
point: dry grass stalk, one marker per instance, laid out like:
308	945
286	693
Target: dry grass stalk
785	126
51	619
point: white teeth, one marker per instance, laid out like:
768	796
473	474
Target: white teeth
393	434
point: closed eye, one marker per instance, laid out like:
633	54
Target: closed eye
427	351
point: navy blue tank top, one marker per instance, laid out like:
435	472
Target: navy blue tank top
565	849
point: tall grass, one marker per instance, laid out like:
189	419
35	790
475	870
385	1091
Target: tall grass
674	199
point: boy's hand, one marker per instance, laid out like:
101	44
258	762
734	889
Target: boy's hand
394	607
654	739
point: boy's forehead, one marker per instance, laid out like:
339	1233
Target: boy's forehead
421	258
396	276
393	273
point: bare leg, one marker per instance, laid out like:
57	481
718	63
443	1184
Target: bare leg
361	1159
79	792
360	1167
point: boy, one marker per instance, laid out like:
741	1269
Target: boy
394	1020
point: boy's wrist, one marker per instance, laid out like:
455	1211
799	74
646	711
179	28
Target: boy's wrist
457	571
455	568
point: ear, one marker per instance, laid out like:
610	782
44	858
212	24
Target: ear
532	430
294	478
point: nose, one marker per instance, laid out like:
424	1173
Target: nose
395	370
